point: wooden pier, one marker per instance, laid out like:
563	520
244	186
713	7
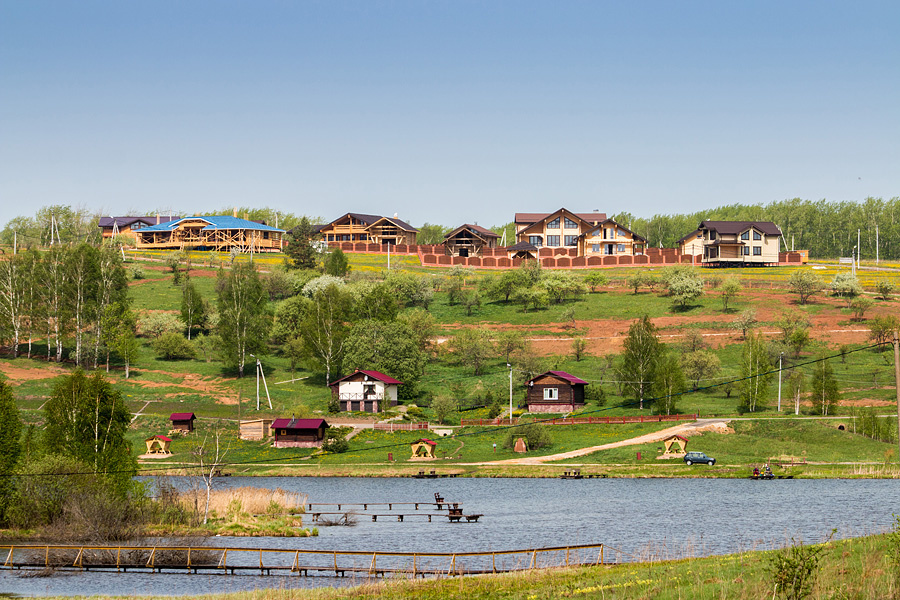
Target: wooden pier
303	563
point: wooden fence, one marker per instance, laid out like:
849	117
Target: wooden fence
329	563
582	420
400	426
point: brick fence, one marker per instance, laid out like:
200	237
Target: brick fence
553	258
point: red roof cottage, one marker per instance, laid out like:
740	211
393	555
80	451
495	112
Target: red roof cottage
555	392
299	433
183	421
367	391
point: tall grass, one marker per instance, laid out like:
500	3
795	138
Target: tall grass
247	499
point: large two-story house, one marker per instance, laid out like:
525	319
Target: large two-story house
558	229
737	243
608	239
373	229
211	232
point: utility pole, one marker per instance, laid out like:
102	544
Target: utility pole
389	256
261	373
780	356
510	394
858	248
897	381
876	243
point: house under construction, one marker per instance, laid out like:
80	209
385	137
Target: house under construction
219	233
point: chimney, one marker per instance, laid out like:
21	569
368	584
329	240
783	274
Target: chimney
234	213
157	217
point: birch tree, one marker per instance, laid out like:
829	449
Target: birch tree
243	317
12	299
82	288
642	350
325	327
111	288
755	367
54	281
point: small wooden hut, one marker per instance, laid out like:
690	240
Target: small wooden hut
423	449
256	429
183	421
676	441
299	433
158	444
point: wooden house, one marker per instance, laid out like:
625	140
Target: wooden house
218	233
523	250
158	444
366	391
608	238
555	392
423	449
374	229
182	421
128	226
256	429
740	243
558	229
469	240
299	433
691	244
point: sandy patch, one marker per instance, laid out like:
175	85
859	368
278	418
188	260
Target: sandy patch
19	373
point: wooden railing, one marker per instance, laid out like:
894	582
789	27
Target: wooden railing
583	420
330	563
400	426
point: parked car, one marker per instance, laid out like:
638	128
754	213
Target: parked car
696	458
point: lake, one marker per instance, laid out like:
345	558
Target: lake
663	518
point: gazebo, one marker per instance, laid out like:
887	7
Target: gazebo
423	449
158	444
675	440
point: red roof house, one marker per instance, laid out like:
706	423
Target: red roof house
366	391
299	433
555	392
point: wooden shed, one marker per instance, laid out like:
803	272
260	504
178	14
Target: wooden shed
679	442
256	429
183	421
158	444
423	449
299	433
555	392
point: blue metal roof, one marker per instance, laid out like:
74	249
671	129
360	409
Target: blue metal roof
214	222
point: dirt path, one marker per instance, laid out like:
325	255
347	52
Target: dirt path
686	430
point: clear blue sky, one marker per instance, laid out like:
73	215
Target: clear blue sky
445	111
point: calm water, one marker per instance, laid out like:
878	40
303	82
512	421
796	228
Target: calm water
670	518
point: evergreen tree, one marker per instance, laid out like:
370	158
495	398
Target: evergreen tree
336	263
642	350
299	247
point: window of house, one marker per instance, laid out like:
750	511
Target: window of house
570	224
621	233
571	240
551	393
757	235
554	224
621	248
535	240
136	225
757	250
595	248
713	252
553	240
745	250
745	235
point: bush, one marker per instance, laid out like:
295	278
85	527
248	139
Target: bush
156	324
136	271
536	436
336	440
173	346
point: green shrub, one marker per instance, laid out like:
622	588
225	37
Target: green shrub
536	437
173	346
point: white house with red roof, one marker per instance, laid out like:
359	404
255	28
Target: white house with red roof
555	392
365	391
